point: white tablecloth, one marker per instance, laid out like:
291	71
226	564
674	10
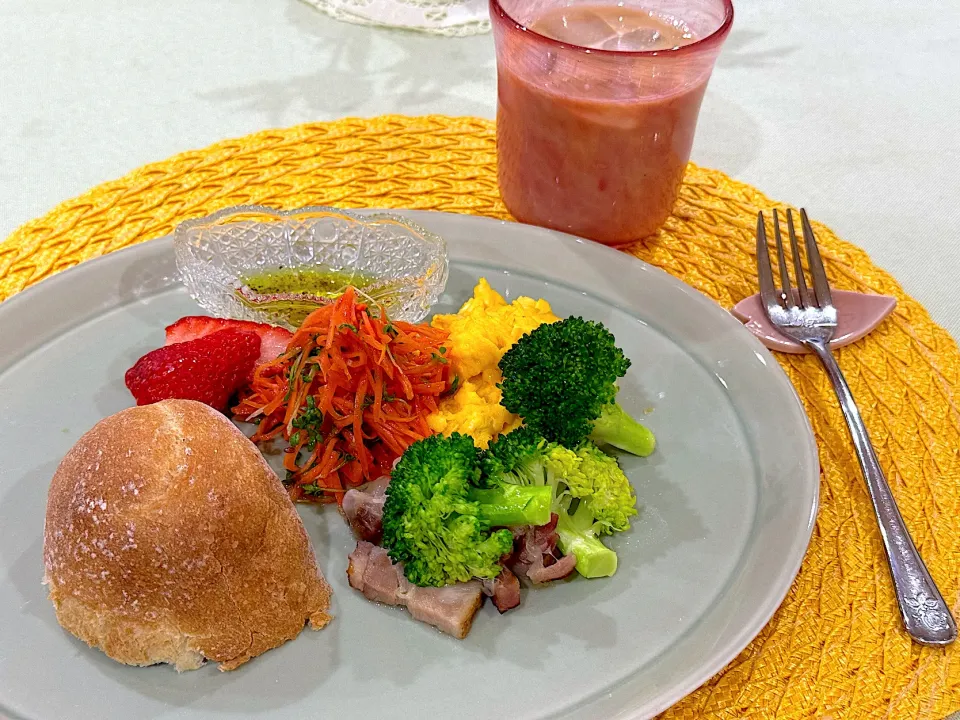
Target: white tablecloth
850	108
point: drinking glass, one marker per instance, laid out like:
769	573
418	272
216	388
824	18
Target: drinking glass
594	141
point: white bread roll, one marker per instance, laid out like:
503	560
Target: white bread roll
169	539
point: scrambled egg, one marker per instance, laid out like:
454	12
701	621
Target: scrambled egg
480	333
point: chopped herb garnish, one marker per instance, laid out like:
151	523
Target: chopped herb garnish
439	358
454	385
347	326
344	459
309	420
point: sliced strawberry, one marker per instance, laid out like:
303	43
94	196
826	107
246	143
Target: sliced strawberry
273	339
209	369
273	342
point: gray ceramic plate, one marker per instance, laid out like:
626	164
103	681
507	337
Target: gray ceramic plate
728	501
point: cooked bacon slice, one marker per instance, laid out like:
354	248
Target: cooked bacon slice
504	590
535	555
546	573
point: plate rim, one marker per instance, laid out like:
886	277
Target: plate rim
761	614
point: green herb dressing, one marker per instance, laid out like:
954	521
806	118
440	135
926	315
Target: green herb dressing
322	282
294	292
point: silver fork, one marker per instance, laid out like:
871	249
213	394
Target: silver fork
812	321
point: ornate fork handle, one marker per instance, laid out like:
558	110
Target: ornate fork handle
924	611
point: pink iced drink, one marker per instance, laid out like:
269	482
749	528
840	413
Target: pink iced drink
596	117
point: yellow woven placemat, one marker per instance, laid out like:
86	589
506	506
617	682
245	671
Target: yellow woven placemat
835	648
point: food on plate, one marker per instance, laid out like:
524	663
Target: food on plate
273	339
205	359
591	495
168	539
480	333
524	457
467	455
438	520
350	394
503	590
209	369
561	379
450	608
455	513
362	508
536	556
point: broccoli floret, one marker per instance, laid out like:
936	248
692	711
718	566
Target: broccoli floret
591	494
603	488
578	535
512	505
524	457
561	379
437	522
615	427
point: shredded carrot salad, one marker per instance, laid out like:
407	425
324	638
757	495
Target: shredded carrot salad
350	394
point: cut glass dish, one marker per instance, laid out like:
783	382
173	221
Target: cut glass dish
396	264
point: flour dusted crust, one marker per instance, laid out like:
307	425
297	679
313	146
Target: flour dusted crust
168	539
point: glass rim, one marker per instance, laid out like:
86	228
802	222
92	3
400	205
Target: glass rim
706	42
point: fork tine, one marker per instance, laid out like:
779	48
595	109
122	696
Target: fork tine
820	285
797	265
785	291
768	293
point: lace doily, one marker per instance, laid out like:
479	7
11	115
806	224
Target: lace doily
454	18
